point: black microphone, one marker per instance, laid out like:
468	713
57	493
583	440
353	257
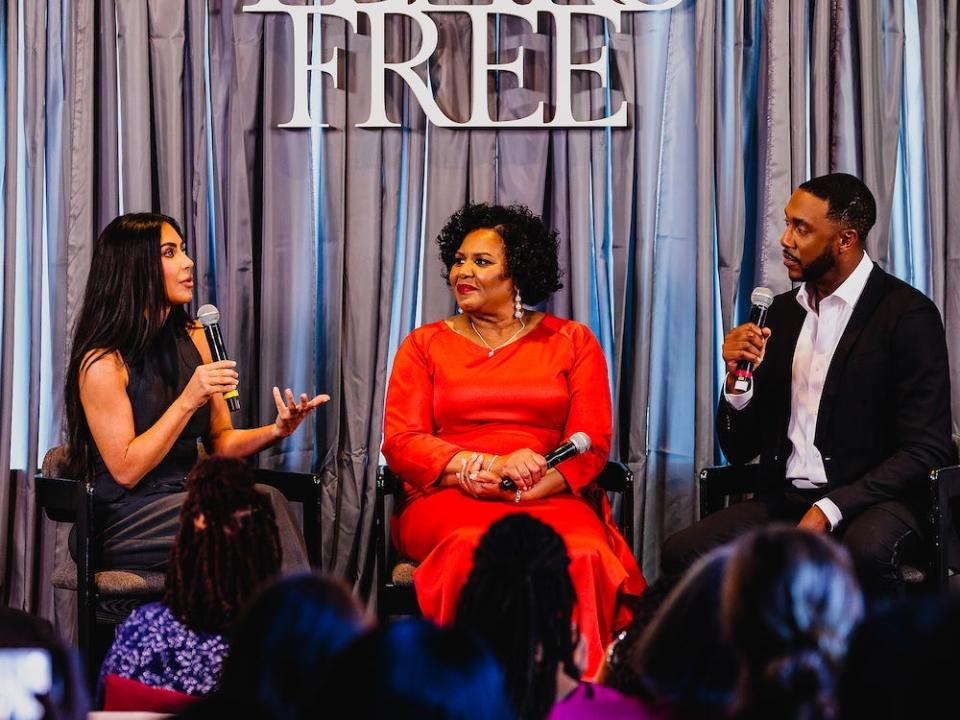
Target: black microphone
578	444
761	298
209	317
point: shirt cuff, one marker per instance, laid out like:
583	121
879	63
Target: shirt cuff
830	509
738	401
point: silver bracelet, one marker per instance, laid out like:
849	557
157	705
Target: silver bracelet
492	461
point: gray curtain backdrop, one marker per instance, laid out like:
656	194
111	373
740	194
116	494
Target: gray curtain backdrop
317	244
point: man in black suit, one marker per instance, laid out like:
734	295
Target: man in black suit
849	406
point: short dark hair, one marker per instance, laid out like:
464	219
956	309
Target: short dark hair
282	647
522	604
413	670
850	201
216	565
531	249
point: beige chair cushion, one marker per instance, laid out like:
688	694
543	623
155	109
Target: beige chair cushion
114	582
403	573
55	462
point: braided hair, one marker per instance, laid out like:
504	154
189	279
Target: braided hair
520	598
790	602
227	545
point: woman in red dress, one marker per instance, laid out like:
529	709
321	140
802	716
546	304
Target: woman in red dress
482	396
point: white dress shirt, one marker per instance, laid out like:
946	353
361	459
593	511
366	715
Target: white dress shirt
816	344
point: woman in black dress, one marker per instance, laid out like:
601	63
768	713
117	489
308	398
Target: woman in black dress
142	391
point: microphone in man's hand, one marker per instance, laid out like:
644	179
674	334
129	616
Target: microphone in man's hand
578	444
761	299
209	317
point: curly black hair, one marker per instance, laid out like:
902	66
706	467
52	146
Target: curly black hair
530	248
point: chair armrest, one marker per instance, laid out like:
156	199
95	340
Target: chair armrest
719	482
72	501
615	477
58	497
944	487
388	482
946	481
296	487
300	488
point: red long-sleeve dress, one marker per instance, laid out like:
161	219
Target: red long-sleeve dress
446	395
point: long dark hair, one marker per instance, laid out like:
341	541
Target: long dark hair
125	310
681	660
226	547
519	597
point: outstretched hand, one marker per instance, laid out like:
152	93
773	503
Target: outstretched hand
289	413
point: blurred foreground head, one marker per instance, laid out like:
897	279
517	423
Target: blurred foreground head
790	602
413	670
519	598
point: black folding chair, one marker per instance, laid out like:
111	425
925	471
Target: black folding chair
106	596
722	485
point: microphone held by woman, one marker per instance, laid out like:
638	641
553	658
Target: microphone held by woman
578	444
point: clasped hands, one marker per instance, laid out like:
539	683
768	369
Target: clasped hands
480	474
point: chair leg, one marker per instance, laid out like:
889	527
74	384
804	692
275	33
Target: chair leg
86	631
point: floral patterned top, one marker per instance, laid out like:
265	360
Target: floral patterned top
153	647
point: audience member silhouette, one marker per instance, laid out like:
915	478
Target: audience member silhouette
681	663
519	597
282	649
67	696
226	547
904	662
413	670
790	602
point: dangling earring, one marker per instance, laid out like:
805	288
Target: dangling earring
518	307
459	310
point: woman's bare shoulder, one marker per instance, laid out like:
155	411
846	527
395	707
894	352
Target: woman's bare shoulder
102	367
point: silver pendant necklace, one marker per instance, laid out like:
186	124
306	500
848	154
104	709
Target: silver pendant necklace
507	342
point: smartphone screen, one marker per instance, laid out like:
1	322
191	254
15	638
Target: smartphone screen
25	673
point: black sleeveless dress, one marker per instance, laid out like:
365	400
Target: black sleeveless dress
136	522
139	525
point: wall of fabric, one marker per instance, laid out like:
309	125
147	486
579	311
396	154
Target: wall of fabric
317	246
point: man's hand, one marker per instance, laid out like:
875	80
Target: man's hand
744	342
814	520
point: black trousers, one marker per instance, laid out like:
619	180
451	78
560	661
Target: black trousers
877	539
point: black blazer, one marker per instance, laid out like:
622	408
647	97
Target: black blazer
884	418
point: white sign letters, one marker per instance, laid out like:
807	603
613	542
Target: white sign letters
421	12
